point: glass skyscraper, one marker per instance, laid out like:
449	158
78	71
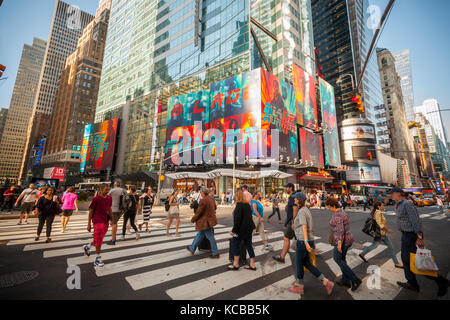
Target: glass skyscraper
403	67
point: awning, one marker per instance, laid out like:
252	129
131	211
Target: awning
316	178
240	174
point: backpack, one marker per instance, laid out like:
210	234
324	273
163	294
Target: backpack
126	202
167	205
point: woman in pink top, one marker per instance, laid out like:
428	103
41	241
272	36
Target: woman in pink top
69	201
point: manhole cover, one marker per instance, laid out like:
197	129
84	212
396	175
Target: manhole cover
17	278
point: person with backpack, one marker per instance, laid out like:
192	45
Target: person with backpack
243	227
174	213
148	200
379	218
100	212
130	203
46	209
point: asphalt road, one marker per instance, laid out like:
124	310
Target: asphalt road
159	268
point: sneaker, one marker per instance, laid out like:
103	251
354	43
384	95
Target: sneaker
138	236
217	256
122	238
329	287
188	248
178	235
278	259
86	250
268	247
112	243
19	223
291	250
62	231
98	262
297	289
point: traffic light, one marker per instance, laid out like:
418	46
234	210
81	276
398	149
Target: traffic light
2	69
358	103
369	156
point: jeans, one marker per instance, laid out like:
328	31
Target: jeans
302	261
441	209
274	211
208	233
387	242
236	243
49	221
8	204
409	246
130	214
347	273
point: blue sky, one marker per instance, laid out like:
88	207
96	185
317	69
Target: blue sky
422	26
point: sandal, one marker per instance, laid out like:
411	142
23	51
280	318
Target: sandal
250	268
233	268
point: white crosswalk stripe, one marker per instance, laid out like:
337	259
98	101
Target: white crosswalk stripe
138	262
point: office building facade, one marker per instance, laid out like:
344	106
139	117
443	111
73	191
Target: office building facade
403	67
431	111
14	136
66	28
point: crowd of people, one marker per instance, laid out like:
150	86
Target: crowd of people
110	205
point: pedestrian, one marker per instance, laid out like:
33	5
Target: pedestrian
148	200
46	209
291	212
29	199
303	228
130	214
174	213
275	208
344	201
100	212
9	197
440	205
222	197
408	222
196	197
342	239
365	202
247	194
258	219
205	220
69	201
116	194
243	227
380	219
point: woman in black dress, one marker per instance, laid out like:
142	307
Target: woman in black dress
46	209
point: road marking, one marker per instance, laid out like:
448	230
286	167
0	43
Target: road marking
438	218
124	244
275	291
155	277
224	281
322	248
388	284
425	215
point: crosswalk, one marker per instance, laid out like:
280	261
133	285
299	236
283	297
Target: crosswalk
163	263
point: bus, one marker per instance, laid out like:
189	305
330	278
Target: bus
378	193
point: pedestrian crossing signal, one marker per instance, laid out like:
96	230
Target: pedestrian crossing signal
358	103
369	156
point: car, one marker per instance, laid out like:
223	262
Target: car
417	201
429	200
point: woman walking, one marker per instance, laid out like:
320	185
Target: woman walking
174	213
148	200
302	227
275	208
342	239
130	214
47	208
380	219
69	201
243	227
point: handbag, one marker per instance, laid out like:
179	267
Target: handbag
331	239
412	267
372	228
424	260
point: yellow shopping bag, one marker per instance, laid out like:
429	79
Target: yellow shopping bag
414	270
312	258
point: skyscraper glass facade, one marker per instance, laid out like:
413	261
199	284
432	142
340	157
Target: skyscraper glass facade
403	68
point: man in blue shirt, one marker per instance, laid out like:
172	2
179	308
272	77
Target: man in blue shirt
408	222
288	232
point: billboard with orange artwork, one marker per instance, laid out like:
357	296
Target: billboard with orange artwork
305	96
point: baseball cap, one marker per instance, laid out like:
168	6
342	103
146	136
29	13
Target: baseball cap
290	185
300	196
395	189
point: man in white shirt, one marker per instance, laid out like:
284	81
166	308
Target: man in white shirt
116	193
30	196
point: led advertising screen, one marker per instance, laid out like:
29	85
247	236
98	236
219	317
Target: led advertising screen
311	148
99	144
305	96
357	132
330	135
279	112
364	173
185	110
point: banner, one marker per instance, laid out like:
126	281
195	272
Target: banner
357	132
305	96
364	173
311	148
331	138
55	173
99	144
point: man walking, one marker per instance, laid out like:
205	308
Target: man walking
408	222
248	196
288	231
30	197
205	220
116	194
99	213
275	208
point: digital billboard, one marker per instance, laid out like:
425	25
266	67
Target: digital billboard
305	96
311	148
99	144
364	173
330	135
357	132
183	111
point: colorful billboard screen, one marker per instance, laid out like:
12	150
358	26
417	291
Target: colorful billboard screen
305	96
330	136
364	173
185	110
357	132
99	144
311	148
